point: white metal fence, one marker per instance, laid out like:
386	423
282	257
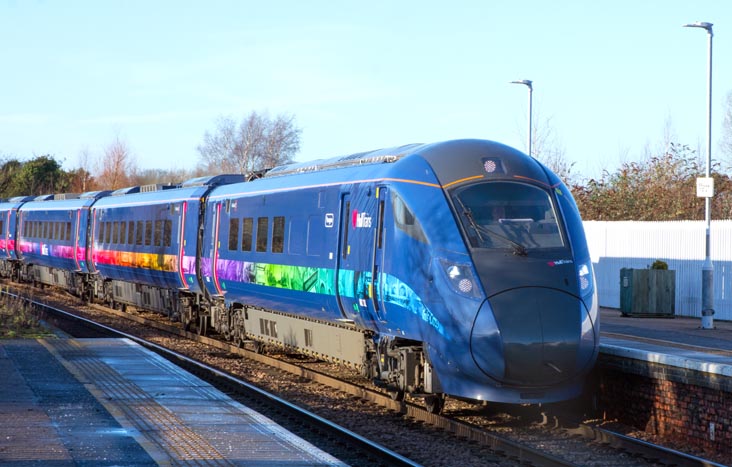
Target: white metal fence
616	245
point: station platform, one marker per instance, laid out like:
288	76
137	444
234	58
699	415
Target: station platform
678	342
97	402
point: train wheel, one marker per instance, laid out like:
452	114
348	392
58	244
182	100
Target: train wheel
396	395
434	403
239	338
202	325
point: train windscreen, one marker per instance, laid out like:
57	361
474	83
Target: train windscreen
514	215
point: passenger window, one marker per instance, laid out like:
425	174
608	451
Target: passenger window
68	231
246	236
262	230
148	233
107	232
405	219
100	233
138	233
233	233
115	230
167	232
131	233
158	233
122	232
278	234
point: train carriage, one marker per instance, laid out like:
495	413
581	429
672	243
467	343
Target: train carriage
8	234
457	268
449	295
52	240
144	245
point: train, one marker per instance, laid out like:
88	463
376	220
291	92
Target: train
457	268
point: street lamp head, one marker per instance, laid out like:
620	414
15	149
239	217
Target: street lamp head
700	24
525	82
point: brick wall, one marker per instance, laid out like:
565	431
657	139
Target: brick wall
673	403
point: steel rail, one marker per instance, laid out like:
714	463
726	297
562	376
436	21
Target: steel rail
385	456
500	444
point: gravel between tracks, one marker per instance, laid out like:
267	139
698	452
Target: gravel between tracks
423	444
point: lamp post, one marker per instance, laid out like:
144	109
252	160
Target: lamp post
708	268
527	83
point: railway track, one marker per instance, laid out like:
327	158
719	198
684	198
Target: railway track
517	443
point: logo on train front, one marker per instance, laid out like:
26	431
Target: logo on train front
360	219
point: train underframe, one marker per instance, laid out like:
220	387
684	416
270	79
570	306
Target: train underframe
399	365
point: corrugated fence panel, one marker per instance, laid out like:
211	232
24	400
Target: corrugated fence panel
617	245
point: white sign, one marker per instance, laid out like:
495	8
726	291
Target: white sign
704	187
329	219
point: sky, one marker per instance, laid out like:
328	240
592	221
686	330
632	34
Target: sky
610	78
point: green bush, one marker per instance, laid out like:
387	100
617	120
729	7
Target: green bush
17	320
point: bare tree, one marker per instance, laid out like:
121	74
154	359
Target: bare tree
117	167
81	177
282	142
257	142
547	148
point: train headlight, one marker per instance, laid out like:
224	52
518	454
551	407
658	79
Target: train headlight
461	278
586	279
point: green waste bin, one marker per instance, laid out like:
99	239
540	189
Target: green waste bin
648	292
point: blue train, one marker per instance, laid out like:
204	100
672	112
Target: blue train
457	268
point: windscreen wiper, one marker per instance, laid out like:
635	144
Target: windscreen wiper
518	249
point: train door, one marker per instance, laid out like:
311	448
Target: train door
342	281
12	234
91	234
355	255
215	245
79	243
377	265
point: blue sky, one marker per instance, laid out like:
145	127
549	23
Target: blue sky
609	76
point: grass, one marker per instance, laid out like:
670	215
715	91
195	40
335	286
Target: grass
18	320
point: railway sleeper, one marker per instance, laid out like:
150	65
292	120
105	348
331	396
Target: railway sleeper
399	365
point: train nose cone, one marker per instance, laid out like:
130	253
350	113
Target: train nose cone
543	333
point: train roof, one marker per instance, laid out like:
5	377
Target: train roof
170	194
214	180
466	160
378	156
143	189
55	203
453	162
95	194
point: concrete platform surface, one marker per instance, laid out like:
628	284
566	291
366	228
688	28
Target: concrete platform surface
97	402
679	341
